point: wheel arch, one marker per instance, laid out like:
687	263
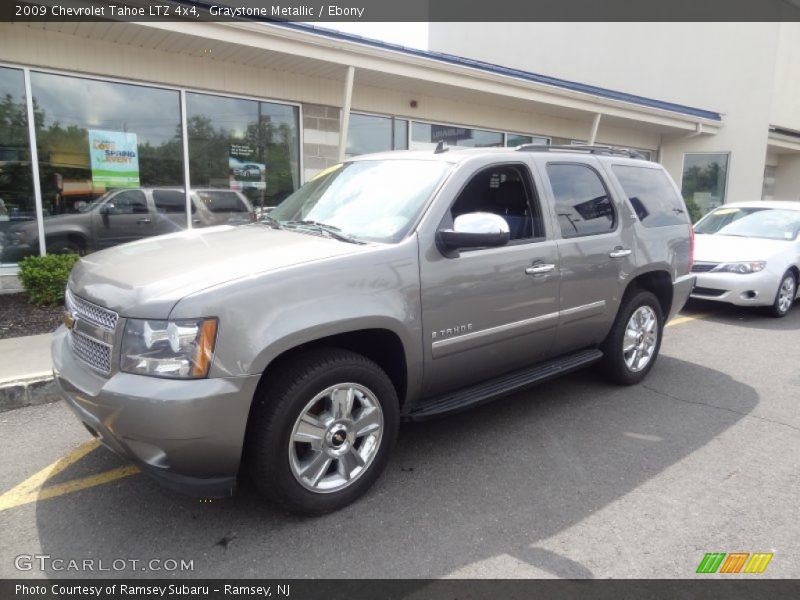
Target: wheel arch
381	345
657	281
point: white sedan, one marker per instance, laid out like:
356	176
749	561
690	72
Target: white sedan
748	254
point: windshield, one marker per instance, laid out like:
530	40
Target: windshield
768	223
373	200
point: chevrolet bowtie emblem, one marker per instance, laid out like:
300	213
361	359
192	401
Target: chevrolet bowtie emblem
69	320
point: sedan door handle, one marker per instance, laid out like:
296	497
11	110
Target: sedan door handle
146	220
619	253
539	268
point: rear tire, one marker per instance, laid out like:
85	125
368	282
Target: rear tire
784	297
66	247
322	430
632	345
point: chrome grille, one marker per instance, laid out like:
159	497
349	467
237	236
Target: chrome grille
83	309
93	353
703	267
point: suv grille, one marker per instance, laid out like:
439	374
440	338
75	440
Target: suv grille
93	353
87	348
83	309
703	267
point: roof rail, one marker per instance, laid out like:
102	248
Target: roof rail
593	149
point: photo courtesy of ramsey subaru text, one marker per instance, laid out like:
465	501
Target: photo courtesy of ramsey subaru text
405	285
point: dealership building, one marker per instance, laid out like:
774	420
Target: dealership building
260	108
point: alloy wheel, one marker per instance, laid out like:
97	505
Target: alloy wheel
641	336
336	437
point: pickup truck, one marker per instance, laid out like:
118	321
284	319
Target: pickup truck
404	285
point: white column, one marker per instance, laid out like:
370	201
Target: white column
595	125
345	120
37	185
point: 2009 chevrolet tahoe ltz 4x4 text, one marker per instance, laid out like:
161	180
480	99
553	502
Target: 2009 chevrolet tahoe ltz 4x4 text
399	285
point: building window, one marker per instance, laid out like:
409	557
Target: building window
95	137
768	188
703	183
370	133
427	135
17	205
244	145
517	139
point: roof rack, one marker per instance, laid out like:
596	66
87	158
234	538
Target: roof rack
593	149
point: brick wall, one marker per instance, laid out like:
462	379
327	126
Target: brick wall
321	132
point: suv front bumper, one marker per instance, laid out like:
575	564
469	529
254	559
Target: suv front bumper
187	434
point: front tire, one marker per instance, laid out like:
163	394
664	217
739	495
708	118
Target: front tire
632	346
784	298
322	430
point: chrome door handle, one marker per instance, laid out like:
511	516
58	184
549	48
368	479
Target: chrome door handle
619	253
540	268
145	220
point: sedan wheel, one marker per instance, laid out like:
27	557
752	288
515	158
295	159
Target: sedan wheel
785	296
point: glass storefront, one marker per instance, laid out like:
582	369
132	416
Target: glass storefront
243	145
111	161
17	204
427	135
703	183
369	133
517	139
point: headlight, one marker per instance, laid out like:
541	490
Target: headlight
180	349
742	268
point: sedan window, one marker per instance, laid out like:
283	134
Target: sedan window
767	223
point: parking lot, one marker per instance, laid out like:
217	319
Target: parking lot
574	478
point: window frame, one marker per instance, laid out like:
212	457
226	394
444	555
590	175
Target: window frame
612	199
534	203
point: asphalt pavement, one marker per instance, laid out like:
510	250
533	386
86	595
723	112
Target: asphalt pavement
575	478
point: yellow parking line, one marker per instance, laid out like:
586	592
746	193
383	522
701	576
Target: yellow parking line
32	489
687	318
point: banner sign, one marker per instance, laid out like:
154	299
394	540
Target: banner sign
448	133
114	157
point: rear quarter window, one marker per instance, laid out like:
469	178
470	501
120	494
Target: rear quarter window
651	195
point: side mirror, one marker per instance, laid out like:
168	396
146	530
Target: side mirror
475	230
107	209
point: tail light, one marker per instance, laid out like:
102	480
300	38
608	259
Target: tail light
691	248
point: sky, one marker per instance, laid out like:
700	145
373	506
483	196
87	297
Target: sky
412	35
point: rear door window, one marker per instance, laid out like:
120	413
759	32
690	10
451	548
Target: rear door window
221	201
169	201
652	196
582	202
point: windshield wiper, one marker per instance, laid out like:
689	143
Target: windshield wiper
329	230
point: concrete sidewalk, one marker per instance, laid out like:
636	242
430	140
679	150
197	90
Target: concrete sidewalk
26	376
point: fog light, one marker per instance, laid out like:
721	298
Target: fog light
749	295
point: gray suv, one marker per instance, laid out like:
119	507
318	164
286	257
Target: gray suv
404	285
124	215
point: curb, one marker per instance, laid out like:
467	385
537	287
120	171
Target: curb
28	392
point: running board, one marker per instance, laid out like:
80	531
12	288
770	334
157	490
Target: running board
505	384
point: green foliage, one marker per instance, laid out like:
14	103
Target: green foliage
45	277
695	213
